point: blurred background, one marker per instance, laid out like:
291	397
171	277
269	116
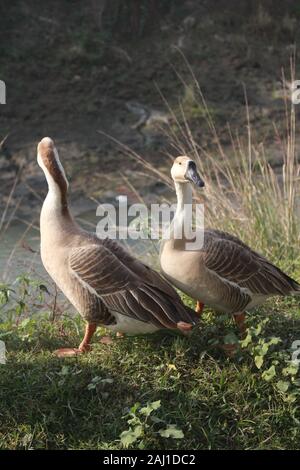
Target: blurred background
140	71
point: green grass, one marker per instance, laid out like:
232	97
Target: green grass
215	401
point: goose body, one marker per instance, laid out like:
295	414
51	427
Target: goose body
224	273
106	285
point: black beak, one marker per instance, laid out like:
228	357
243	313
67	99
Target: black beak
192	175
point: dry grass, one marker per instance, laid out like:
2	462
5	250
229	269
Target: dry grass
243	193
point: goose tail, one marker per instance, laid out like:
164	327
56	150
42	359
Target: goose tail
296	287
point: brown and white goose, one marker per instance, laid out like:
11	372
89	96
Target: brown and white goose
225	273
100	278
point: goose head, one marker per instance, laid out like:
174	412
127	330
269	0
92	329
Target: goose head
48	160
184	170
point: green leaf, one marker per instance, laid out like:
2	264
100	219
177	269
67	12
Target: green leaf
134	408
65	370
274	340
258	329
269	374
259	360
98	380
128	437
171	431
282	386
264	349
292	369
147	410
134	420
131	435
138	430
290	398
107	381
245	342
231	338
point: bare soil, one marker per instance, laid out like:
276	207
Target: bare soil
68	76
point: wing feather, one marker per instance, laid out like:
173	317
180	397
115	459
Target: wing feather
127	286
231	259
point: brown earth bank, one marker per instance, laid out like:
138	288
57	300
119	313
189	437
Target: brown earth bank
75	68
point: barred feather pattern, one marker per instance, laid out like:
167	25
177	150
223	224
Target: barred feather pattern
232	260
127	286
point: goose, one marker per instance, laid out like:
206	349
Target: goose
104	282
224	273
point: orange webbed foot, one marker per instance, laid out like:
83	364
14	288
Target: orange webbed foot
68	352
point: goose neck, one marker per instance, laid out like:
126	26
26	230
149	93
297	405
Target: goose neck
181	226
184	197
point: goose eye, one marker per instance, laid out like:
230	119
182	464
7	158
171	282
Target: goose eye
179	163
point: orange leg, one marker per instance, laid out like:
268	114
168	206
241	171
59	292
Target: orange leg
199	307
89	331
84	345
240	322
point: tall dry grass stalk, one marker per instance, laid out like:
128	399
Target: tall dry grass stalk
244	194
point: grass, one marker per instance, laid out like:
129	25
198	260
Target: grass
210	400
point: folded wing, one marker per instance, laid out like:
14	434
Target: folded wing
127	286
234	261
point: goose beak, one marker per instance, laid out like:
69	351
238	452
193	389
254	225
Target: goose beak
192	175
